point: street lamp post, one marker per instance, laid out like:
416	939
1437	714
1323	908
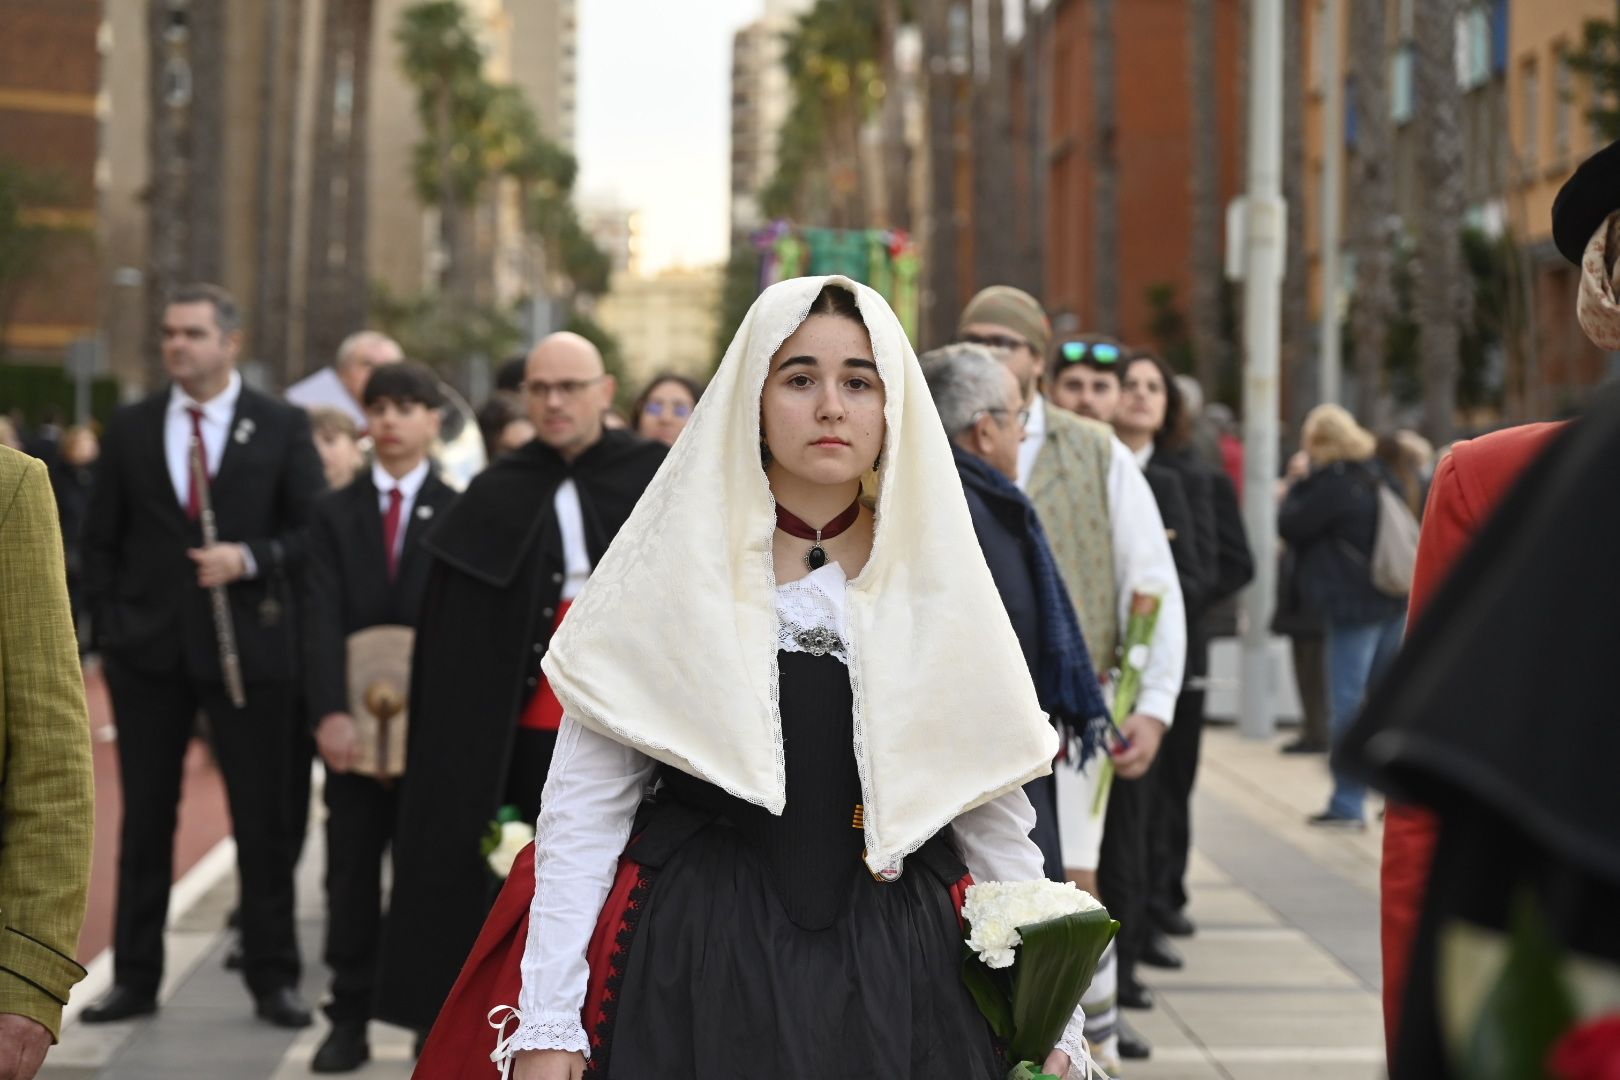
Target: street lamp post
1262	214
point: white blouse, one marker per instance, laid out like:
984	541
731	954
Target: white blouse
591	796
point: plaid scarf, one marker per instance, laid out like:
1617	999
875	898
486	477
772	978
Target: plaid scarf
1065	680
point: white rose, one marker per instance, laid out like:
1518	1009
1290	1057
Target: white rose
515	836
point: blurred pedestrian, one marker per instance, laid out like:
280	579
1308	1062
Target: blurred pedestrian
1406	460
9	435
149	580
1295	618
366	569
662	409
504	424
47	804
506	562
341	385
45	441
1330	518
72	479
978	401
1109	542
337	439
1220	419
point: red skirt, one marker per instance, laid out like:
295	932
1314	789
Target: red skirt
463	1036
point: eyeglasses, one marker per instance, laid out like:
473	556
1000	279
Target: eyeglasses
568	389
1007	342
657	408
1096	352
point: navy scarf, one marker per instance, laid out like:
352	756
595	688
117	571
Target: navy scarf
1065	680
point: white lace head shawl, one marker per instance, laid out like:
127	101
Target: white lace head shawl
671	648
1596	306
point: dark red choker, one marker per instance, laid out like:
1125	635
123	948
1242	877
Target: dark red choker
791	524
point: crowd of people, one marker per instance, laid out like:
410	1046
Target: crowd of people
302	577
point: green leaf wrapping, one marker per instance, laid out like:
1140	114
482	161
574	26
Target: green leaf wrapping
1528	1009
1055	965
992	992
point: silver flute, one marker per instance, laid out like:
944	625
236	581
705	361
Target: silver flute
230	660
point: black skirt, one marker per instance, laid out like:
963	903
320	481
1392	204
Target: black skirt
762	946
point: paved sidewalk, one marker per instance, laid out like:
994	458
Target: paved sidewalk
1281	982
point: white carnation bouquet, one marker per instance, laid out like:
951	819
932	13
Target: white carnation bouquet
1032	949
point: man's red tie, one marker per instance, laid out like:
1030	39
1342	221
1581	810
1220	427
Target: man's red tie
196	452
391	531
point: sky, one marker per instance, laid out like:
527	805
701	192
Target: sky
654	119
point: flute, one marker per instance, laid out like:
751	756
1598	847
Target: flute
230	661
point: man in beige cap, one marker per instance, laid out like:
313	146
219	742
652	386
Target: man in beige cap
1109	542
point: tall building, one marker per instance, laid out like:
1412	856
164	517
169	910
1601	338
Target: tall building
760	101
666	322
1153	145
50	78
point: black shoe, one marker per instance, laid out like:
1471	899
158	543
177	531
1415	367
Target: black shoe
1175	923
1133	995
119	1003
344	1050
233	955
1132	1047
1158	952
1327	819
1303	745
282	1007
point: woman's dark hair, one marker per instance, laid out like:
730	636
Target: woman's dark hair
836	300
691	386
1403	469
501	409
1176	431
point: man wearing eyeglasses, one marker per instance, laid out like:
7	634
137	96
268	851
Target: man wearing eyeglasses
1109	541
510	556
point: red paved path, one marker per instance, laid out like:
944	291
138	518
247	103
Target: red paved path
204	819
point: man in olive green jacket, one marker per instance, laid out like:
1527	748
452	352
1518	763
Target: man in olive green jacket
47	799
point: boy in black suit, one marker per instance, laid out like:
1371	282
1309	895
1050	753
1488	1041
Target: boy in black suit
204	441
365	571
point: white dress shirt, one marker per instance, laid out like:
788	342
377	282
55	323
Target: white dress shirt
590	801
217	413
410	486
576	556
1141	558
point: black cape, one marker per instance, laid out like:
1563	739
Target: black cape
486	622
1499	715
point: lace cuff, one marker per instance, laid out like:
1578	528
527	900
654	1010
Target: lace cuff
1073	1043
547	1031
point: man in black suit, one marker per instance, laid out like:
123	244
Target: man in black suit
147	581
366	568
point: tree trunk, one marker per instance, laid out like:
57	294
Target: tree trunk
1036	85
278	117
166	220
995	226
896	155
321	334
1105	155
205	190
354	279
943	301
1371	209
1441	287
1209	348
1299	369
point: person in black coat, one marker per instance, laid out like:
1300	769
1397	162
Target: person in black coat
1330	519
517	546
366	568
148	577
980	405
1152	420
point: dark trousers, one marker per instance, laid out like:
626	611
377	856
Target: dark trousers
1170	828
360	817
299	766
1122	868
1042	792
1311	679
156	715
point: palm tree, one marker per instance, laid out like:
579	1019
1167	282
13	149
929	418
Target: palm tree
943	297
1372	207
1105	155
278	80
994	226
1441	293
1036	83
1209	348
896	154
1299	373
205	188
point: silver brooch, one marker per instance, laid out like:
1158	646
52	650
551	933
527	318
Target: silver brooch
818	641
244	431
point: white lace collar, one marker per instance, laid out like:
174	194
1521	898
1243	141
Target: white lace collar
811	613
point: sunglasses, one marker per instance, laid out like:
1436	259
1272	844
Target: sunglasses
1096	352
1005	342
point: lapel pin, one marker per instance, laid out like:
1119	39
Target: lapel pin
244	431
424	512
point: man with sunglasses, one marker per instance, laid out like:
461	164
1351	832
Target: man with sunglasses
1109	542
507	559
1085	377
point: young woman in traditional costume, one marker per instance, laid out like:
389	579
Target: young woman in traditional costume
796	639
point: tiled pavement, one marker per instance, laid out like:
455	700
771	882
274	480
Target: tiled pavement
1281	982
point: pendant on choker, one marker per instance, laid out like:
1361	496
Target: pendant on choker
816	557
